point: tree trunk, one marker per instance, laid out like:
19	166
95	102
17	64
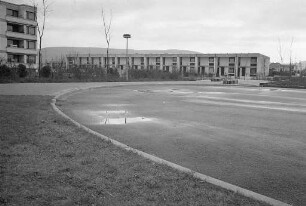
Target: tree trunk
39	56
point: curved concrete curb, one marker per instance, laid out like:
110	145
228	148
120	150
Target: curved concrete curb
222	184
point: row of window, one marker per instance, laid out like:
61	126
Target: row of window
20	44
192	61
15	13
20	29
13	58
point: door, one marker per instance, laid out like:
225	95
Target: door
243	71
222	71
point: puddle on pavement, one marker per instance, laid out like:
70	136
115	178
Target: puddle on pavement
211	92
127	120
117	117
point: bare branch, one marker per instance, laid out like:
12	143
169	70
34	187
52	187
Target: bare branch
280	51
41	22
107	34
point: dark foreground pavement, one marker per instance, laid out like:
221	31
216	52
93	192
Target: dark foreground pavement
45	160
252	137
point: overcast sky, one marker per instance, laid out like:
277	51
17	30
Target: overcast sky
207	26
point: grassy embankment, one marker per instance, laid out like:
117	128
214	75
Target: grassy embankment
46	160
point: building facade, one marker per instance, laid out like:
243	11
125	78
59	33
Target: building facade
18	34
236	65
278	67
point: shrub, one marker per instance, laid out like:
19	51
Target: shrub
22	71
5	71
45	71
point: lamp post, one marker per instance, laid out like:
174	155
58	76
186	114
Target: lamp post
127	36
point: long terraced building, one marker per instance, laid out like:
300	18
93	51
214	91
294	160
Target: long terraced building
238	65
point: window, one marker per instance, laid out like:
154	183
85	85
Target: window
174	59
10	42
211	59
31	45
14	58
15	28
9	27
157	59
31	59
31	30
253	71
192	59
10	58
70	60
11	12
192	64
253	60
211	70
30	15
167	68
13	43
232	60
231	70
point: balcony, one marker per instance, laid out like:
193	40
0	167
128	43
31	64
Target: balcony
21	35
21	20
18	50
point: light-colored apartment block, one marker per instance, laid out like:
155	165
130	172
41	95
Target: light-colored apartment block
18	34
236	65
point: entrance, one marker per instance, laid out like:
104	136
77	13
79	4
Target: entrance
222	71
243	71
203	71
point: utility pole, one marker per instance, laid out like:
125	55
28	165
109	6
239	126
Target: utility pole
127	36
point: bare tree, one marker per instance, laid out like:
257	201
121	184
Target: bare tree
280	50
41	24
290	58
107	34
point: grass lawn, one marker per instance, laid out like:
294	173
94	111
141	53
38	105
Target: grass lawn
46	160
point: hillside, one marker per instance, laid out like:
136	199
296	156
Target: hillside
55	53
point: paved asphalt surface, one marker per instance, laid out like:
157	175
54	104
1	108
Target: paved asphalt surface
248	136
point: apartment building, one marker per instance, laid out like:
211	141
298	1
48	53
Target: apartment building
236	65
18	34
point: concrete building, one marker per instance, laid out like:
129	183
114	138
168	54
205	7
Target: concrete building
236	65
278	67
18	34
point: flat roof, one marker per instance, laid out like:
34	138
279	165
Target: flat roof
173	55
9	3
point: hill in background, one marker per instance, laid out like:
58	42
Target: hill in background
56	53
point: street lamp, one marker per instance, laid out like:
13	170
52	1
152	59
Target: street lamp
127	36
